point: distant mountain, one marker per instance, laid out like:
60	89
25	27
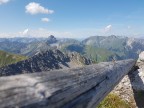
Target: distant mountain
10	46
34	48
22	39
31	46
17	45
8	58
123	46
102	48
50	43
51	39
46	61
98	48
115	45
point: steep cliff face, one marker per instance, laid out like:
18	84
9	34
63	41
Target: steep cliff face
131	88
46	61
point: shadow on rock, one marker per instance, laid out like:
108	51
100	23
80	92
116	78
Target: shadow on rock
137	87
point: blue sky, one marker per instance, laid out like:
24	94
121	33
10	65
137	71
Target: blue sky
71	18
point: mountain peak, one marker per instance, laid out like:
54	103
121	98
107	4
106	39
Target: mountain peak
113	36
51	39
51	36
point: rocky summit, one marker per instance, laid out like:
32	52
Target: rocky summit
51	39
46	61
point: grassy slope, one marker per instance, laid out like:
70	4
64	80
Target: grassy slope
113	44
114	101
98	54
8	58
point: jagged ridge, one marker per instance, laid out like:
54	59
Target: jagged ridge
49	60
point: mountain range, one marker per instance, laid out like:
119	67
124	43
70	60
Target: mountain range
97	48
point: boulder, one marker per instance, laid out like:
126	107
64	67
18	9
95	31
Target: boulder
141	56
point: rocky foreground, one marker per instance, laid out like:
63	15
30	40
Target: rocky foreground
131	88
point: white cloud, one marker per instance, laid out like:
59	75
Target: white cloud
41	32
3	1
45	19
25	32
35	8
78	33
108	28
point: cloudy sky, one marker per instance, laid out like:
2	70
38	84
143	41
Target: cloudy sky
71	18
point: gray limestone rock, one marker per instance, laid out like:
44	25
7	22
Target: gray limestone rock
141	56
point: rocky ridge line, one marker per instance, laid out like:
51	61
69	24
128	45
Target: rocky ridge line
46	61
